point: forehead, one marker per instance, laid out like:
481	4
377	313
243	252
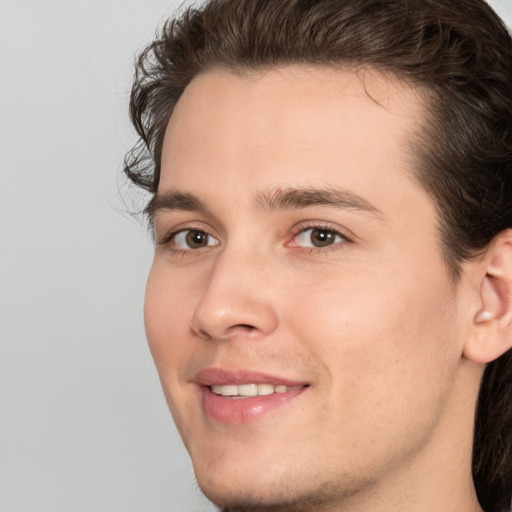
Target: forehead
295	125
300	91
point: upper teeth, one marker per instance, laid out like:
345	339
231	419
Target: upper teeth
248	389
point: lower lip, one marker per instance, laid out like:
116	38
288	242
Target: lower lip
238	411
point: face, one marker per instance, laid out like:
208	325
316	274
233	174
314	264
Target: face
299	310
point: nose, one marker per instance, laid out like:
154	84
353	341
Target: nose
236	301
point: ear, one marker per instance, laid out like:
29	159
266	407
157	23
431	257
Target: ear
491	332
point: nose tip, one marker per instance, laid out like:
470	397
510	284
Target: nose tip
232	316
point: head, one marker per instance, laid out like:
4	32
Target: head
397	99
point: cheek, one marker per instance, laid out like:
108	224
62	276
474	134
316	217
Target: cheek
387	344
166	320
166	315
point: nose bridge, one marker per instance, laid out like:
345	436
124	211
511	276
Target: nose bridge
235	298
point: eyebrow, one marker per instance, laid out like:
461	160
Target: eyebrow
299	197
174	201
276	199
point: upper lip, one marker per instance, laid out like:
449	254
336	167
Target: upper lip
223	377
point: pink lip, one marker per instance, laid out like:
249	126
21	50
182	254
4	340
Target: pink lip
238	411
222	377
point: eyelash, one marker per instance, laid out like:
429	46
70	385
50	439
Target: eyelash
167	240
321	226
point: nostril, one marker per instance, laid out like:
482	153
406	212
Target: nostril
241	328
204	334
231	331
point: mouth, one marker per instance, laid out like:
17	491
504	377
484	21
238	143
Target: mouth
240	397
250	390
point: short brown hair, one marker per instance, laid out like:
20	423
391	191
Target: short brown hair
458	51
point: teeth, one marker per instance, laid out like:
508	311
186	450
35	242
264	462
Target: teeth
265	389
248	390
229	390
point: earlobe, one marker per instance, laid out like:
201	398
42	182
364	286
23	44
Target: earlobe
491	332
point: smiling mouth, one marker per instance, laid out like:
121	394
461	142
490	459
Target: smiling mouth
251	390
238	396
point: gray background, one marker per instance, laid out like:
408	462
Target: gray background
83	423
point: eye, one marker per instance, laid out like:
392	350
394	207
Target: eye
318	238
188	239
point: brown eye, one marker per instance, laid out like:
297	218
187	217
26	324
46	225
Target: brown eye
318	237
322	237
193	239
196	239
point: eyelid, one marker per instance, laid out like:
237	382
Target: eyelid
180	239
347	236
170	234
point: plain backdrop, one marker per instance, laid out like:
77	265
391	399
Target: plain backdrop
83	422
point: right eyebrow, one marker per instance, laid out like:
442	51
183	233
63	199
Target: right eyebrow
306	197
174	201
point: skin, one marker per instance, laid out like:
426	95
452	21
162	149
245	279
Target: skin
372	322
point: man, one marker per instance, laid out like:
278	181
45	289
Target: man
330	301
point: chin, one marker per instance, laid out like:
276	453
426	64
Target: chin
269	490
239	501
229	488
249	489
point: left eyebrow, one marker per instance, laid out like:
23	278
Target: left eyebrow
298	197
174	201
